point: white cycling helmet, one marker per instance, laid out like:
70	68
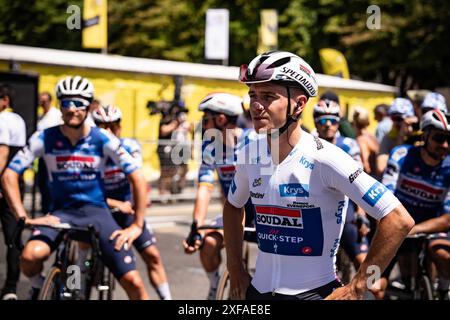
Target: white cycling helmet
434	100
326	107
435	119
401	106
281	67
225	103
106	114
75	86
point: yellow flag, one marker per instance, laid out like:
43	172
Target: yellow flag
268	31
95	24
334	63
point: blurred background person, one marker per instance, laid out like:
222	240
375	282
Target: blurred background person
384	121
402	115
12	138
367	142
345	127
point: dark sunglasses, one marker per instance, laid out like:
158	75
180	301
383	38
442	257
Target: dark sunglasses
206	119
260	74
441	137
323	121
77	103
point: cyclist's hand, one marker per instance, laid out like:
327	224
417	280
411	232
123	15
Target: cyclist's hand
347	292
46	220
192	243
125	237
126	207
239	283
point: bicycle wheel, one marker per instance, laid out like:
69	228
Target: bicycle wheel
424	289
52	288
223	289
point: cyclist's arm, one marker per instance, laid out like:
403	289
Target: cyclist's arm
4	153
377	201
390	233
10	178
439	224
202	199
139	187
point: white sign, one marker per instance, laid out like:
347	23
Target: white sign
216	34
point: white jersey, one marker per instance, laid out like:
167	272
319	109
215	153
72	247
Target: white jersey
300	210
13	131
52	118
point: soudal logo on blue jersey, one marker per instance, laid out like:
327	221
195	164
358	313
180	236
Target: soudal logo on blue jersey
294	190
75	162
279	217
374	194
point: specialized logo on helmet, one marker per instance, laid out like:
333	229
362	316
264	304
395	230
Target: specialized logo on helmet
302	80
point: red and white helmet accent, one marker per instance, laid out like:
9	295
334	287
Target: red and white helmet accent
280	67
75	86
226	103
326	107
106	114
435	119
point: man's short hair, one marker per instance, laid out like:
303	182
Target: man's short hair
383	108
47	94
7	91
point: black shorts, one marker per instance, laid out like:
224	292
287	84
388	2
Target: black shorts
319	293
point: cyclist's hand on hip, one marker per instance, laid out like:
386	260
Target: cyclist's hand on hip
125	237
239	283
45	220
347	292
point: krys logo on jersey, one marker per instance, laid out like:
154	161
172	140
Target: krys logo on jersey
292	232
76	163
294	190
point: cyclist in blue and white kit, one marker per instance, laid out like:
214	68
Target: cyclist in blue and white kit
304	182
75	155
420	178
326	116
221	111
119	198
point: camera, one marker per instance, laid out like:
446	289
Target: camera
173	108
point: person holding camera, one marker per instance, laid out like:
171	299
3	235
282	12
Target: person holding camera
173	130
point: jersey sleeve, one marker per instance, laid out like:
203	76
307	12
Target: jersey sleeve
114	149
340	172
239	192
392	172
134	148
446	205
24	158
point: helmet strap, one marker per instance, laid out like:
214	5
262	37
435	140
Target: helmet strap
289	118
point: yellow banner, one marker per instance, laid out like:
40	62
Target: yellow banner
334	63
268	31
95	24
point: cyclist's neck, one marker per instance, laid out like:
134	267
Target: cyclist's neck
284	143
75	134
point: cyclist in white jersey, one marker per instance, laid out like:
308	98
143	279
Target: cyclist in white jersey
221	111
303	184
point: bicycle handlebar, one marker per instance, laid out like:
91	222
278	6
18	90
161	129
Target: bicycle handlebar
427	236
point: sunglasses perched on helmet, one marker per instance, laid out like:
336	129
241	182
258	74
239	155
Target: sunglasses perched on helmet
324	119
74	102
260	74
